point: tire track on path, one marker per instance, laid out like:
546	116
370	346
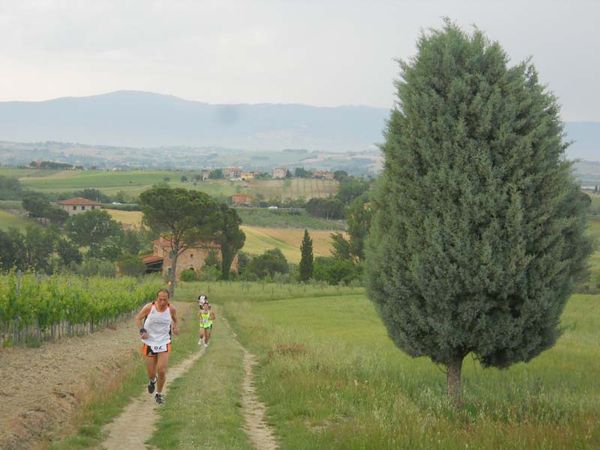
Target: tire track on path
259	432
136	424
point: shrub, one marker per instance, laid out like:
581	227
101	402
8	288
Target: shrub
188	275
336	271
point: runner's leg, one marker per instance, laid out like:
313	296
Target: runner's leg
161	369
151	367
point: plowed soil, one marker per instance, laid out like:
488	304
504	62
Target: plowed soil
42	388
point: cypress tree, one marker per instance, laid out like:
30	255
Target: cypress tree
306	261
478	236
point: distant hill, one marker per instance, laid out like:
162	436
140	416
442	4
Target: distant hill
143	119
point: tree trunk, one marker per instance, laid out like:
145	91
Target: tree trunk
173	274
226	260
453	375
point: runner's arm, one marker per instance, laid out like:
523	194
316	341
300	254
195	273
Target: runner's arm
139	318
175	326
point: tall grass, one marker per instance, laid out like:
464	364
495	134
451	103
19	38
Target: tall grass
332	379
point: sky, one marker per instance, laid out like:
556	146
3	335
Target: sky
317	52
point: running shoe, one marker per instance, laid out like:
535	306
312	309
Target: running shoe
151	386
200	342
159	399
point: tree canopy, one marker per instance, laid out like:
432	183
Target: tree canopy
184	217
478	235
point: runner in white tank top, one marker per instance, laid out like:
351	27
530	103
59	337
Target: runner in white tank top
156	321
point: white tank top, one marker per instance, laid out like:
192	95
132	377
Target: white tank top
158	326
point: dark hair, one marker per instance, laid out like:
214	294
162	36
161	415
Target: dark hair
164	290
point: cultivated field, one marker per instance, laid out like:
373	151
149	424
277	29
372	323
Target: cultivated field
259	239
132	183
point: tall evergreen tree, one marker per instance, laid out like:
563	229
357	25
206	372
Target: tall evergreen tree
478	236
306	261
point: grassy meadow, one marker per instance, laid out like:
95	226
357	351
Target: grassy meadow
9	220
285	218
332	378
595	205
593	283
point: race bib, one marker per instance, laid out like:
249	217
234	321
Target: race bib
159	348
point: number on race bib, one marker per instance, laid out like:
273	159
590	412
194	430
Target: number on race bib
159	348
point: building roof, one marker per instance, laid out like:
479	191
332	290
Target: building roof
78	201
151	259
242	197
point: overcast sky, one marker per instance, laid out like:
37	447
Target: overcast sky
318	52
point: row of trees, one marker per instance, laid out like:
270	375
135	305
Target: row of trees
84	241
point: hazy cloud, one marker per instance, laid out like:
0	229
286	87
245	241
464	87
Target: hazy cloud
315	52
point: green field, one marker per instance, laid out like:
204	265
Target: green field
595	206
594	260
331	378
135	181
283	218
8	220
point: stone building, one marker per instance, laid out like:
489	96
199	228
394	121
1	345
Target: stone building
192	258
241	200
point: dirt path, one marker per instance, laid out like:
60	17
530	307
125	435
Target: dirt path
259	432
257	429
137	422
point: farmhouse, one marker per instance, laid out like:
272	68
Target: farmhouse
232	172
78	205
241	200
192	258
279	172
324	174
248	176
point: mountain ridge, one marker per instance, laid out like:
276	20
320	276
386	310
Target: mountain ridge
143	119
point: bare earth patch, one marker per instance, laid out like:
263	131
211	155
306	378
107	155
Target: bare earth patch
42	387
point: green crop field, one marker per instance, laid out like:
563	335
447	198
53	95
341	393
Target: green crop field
331	378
